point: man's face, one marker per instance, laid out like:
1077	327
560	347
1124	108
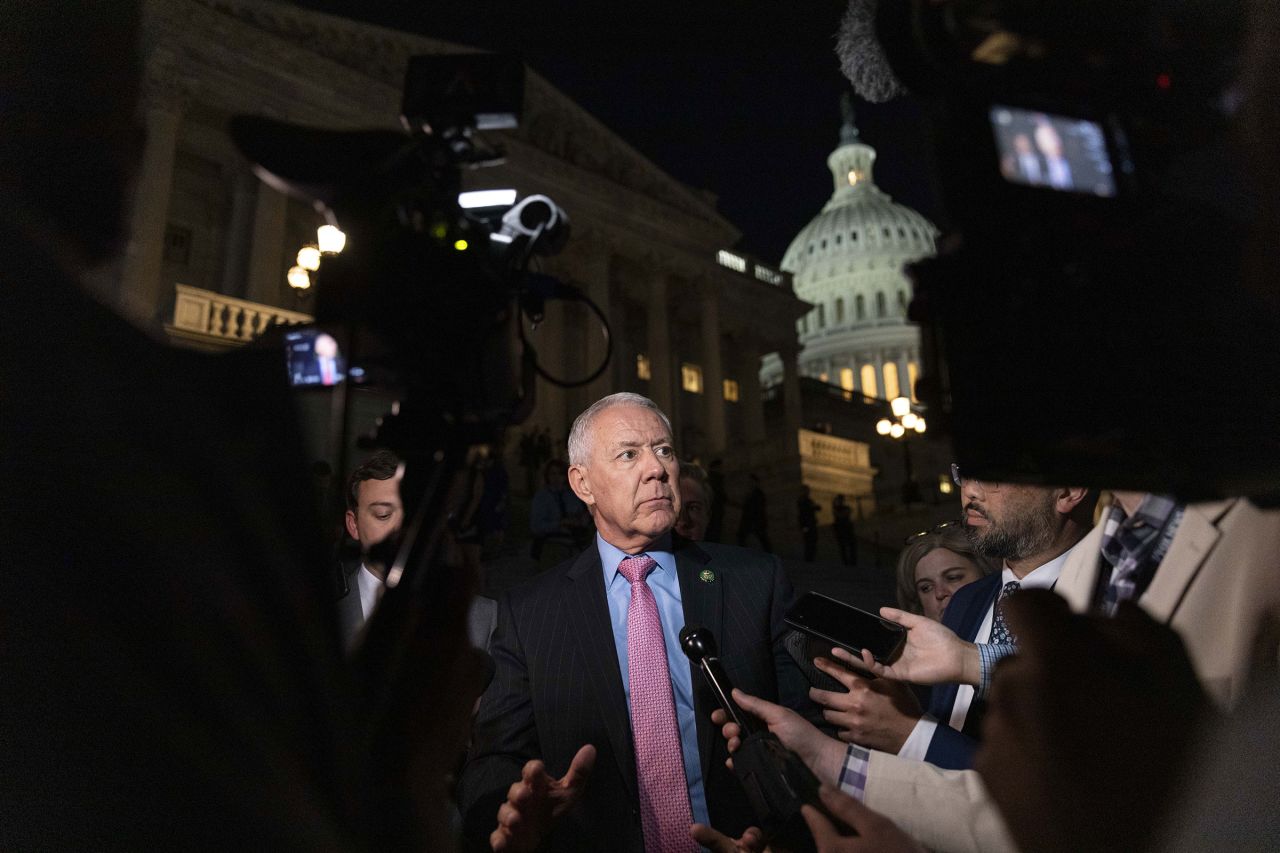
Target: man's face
1009	520
378	511
694	513
629	479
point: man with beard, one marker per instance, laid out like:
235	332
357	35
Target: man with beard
1032	529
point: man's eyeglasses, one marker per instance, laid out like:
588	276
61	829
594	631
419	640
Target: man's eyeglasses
958	479
946	525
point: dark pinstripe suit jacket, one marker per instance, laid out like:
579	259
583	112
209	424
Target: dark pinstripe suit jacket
558	686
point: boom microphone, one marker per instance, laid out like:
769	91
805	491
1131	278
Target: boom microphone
862	58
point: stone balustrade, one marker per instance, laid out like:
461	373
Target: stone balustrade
210	318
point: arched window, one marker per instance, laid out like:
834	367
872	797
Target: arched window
880	304
869	380
902	302
846	378
839	310
890	380
804	325
822	316
860	307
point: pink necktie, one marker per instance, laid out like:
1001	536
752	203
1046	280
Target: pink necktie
665	813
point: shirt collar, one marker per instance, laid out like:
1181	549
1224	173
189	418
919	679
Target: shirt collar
1041	577
370	587
611	557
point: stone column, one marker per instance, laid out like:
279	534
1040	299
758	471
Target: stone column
791	402
658	347
599	288
164	101
712	371
236	243
267	253
749	393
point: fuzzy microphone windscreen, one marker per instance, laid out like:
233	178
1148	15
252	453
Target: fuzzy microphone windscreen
862	59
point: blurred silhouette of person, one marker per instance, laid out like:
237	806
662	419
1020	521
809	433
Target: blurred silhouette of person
755	516
558	520
807	521
842	529
695	502
1049	143
719	499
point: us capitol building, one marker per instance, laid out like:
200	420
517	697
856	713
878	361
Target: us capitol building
847	263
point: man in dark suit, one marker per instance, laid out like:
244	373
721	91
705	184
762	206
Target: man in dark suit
374	512
1033	530
588	739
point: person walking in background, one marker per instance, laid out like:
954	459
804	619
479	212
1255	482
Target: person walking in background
807	520
719	500
755	516
842	527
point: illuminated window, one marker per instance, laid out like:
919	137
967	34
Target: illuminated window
731	390
732	261
642	367
846	378
869	380
890	381
691	378
839	310
913	370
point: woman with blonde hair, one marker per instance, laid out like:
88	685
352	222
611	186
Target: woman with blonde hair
934	564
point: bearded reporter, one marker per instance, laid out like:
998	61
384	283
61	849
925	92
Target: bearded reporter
594	733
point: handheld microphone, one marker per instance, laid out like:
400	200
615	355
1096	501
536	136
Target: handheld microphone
776	782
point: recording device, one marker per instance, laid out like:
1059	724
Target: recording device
776	782
828	622
429	301
1099	207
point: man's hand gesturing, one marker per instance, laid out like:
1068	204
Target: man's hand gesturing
535	803
932	654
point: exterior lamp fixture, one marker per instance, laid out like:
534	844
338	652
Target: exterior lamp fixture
331	240
299	279
309	258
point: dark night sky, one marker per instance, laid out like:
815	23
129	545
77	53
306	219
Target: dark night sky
740	98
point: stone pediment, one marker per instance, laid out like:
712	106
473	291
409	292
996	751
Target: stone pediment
552	122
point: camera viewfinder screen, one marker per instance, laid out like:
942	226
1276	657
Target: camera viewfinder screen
314	359
1056	152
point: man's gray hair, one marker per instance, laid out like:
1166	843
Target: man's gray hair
580	434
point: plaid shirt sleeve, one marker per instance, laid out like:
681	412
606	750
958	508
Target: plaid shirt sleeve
853	776
989	654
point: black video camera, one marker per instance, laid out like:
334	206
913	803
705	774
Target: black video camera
1085	322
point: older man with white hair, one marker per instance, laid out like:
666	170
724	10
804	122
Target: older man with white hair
595	732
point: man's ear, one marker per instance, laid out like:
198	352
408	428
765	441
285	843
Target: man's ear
352	530
1069	498
581	488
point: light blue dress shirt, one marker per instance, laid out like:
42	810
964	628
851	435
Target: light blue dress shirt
665	585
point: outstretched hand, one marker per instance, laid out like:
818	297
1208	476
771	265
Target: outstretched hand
824	756
932	653
752	841
876	713
535	803
871	831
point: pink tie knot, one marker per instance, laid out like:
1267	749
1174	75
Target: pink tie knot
637	567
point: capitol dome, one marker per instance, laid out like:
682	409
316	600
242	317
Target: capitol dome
848	263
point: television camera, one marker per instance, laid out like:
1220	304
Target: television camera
1086	319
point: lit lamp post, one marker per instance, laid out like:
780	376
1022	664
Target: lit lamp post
329	241
905	425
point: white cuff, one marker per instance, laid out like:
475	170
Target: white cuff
917	743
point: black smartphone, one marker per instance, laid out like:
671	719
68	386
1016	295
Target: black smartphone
834	623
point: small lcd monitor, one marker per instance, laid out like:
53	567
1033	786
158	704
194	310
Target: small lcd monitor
1053	152
314	358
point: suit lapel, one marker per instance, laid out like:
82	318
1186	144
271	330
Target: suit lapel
965	623
585	597
703	603
1192	543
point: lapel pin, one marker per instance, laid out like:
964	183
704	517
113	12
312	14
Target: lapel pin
706	576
